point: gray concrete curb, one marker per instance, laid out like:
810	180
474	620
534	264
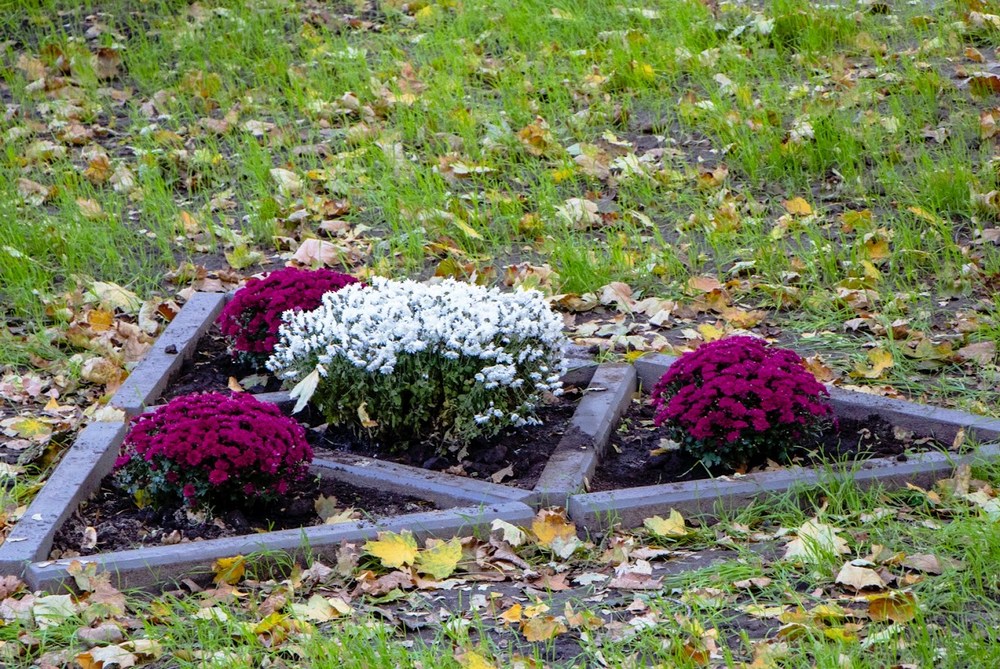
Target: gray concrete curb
438	487
629	507
575	458
77	476
92	458
650	368
153	566
175	344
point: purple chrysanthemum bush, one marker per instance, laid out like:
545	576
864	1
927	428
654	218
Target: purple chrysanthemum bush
212	449
739	400
251	319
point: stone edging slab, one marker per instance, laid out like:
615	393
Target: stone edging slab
77	476
475	502
175	344
573	462
600	510
151	566
438	487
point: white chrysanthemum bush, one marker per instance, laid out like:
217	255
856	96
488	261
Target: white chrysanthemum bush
405	361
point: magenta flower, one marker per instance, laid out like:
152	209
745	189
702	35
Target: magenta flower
213	448
739	400
251	319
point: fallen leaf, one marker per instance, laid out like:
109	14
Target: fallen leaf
473	660
317	251
898	606
982	353
670	528
879	360
229	570
553	531
511	615
320	609
113	296
53	610
394	550
542	628
797	206
289	183
704	284
813	540
106	657
439	559
859	578
513	535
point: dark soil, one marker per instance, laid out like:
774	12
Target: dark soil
121	525
524	450
212	366
628	462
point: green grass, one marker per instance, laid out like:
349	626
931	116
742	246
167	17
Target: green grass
951	618
850	110
860	113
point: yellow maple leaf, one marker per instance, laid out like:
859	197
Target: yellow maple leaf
797	206
879	360
670	527
542	629
321	609
229	570
394	550
471	659
553	531
709	332
511	615
440	559
898	606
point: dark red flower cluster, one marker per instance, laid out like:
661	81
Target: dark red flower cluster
252	317
736	398
212	448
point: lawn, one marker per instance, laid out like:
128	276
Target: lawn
668	173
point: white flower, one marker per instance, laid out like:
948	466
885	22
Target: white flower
509	342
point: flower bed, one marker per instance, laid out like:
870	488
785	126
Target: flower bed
627	501
246	330
119	524
739	405
463	505
629	461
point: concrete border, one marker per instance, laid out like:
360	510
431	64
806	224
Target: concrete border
85	467
77	476
151	567
630	506
575	458
175	344
438	487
